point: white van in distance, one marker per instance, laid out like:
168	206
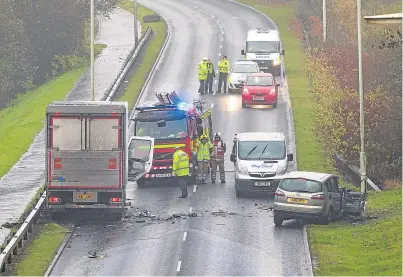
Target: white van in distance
259	157
263	46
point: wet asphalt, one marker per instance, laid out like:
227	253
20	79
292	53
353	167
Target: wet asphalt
240	240
20	184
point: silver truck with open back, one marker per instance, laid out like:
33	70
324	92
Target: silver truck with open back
87	156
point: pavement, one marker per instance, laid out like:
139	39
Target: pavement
20	184
239	240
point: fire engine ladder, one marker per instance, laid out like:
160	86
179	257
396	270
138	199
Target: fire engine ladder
168	98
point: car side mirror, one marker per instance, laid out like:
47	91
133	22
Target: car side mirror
277	85
243	52
232	158
290	157
283	52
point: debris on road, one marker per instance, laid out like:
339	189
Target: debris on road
266	208
222	213
140	221
193	214
92	254
9	225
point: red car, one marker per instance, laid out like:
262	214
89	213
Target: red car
260	89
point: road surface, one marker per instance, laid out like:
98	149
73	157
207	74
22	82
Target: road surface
20	184
240	241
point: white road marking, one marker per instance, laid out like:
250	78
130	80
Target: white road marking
218	21
222	39
190	210
221	46
194	188
185	236
178	268
222	33
219	55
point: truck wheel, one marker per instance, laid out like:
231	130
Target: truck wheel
238	193
275	104
56	216
141	183
278	220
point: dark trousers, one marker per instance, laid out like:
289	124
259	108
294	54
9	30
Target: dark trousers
183	184
222	78
202	86
209	84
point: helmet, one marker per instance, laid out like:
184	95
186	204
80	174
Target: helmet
203	137
205	59
217	135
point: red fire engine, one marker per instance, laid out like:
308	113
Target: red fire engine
172	123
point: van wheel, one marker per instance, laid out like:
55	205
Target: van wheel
328	218
278	220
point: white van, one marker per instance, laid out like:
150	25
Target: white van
263	46
259	157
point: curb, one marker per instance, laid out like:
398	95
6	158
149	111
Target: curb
59	253
291	128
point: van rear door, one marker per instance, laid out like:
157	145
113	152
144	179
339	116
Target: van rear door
141	154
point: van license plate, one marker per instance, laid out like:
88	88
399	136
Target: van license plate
297	200
163	175
258	98
85	196
262	184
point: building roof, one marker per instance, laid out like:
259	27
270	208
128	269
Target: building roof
393	18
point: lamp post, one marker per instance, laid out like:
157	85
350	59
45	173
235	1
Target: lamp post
363	169
92	49
136	28
324	20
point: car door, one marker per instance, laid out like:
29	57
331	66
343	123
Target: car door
140	156
336	195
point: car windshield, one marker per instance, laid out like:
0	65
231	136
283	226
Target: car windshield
261	150
263	47
172	129
245	68
260	81
300	185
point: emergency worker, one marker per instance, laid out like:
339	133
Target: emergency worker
223	69
204	148
217	158
180	169
202	72
210	77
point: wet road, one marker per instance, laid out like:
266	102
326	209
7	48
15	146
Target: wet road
20	184
244	241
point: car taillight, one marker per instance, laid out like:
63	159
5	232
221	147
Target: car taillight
279	193
245	91
318	197
116	200
112	163
57	163
273	91
54	199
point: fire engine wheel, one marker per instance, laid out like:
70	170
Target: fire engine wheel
244	105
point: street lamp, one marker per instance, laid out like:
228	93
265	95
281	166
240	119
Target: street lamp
324	20
363	161
92	49
136	28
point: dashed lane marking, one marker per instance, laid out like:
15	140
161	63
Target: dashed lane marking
178	267
195	186
190	210
185	236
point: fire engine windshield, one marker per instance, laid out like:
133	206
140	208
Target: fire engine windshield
170	129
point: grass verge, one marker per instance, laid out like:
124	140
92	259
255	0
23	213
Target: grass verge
20	122
153	49
339	249
41	251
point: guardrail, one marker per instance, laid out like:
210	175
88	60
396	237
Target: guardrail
16	239
110	93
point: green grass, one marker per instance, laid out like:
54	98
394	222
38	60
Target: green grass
153	49
20	122
340	249
41	251
371	249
